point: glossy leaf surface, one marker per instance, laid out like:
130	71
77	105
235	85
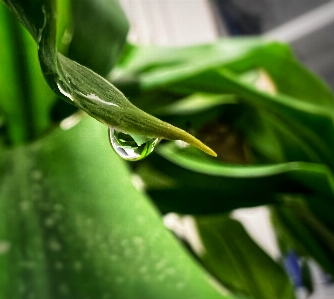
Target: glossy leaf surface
68	231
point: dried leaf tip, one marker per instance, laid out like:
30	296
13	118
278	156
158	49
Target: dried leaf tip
190	139
200	145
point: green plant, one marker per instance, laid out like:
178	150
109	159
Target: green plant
72	225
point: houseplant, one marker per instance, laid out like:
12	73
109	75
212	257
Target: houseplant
72	224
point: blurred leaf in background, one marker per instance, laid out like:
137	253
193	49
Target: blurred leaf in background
258	107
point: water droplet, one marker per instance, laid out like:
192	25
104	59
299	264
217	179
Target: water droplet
131	147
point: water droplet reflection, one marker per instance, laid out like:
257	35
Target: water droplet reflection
132	147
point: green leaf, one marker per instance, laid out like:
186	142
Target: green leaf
291	119
205	186
290	76
87	90
97	41
103	101
238	262
141	60
303	121
25	99
77	228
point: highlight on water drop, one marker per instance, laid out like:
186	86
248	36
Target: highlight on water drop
131	147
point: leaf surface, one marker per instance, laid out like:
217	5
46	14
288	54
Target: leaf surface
77	228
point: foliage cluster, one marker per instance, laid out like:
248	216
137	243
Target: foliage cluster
72	224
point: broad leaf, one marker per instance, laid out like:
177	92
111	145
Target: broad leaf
221	187
85	89
77	228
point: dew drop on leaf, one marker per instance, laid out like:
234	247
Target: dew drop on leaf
131	147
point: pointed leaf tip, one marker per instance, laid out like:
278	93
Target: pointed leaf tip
186	137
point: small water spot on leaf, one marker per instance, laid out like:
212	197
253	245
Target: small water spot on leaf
54	245
4	247
58	207
138	241
36	175
50	222
24	205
